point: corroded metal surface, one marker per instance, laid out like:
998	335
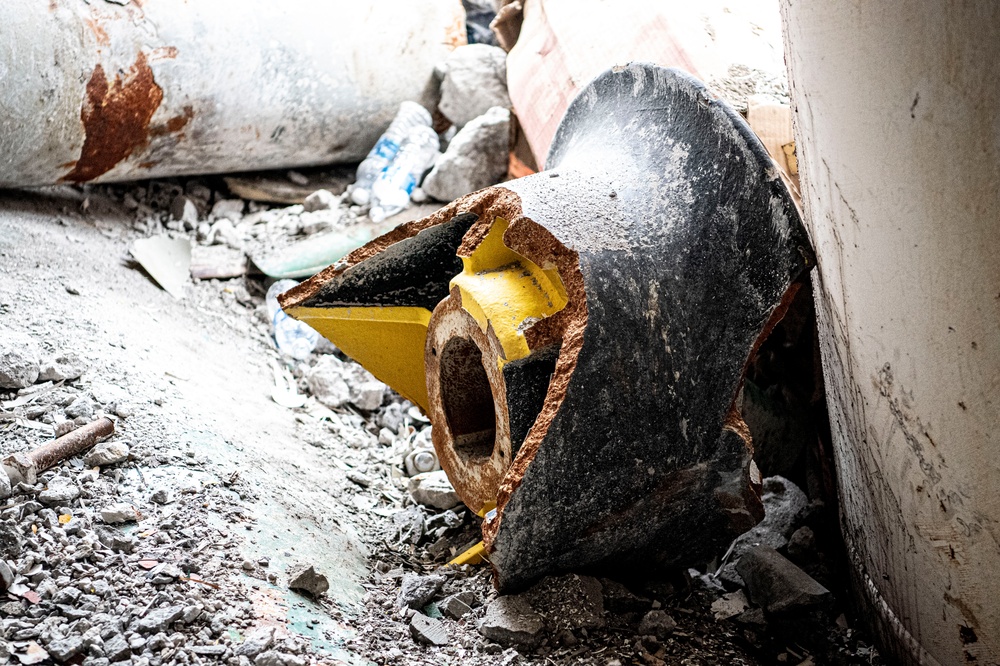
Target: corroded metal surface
105	91
603	419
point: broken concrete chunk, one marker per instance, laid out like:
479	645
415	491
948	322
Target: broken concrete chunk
777	585
19	355
184	210
5	485
160	619
327	384
510	620
802	544
321	200
305	578
474	79
116	648
63	367
417	591
106	453
119	512
730	605
428	630
476	158
257	641
229	209
453	607
60	492
115	539
657	623
64	649
433	489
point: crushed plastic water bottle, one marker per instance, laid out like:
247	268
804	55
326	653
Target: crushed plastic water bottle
409	116
291	335
391	191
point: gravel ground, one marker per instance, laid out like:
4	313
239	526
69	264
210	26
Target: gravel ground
183	538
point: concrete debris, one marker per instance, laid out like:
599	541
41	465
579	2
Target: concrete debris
120	512
62	367
321	200
454	607
5	488
229	209
106	453
730	605
160	619
568	602
6	576
476	158
60	492
305	578
336	384
162	496
277	658
473	79
81	407
657	623
417	591
777	585
64	649
433	489
19	355
185	211
257	641
802	544
428	630
510	620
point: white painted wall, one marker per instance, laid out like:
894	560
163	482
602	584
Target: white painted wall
899	149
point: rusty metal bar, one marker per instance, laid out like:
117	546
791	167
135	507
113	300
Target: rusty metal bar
102	91
26	466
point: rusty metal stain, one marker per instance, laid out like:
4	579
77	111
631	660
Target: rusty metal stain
99	33
163	53
175	124
115	119
455	34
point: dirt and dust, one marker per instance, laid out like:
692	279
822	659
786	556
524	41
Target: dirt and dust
226	492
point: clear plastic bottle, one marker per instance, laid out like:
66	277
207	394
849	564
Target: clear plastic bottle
391	191
409	116
291	335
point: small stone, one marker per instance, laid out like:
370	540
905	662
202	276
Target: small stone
82	406
118	513
184	210
304	577
209	650
62	367
65	648
6	576
231	209
777	585
802	544
60	492
10	539
433	489
327	384
358	478
248	565
115	539
116	648
510	620
162	496
275	658
19	356
474	79
657	623
428	630
106	453
476	158
321	200
417	591
160	619
257	641
454	608
5	486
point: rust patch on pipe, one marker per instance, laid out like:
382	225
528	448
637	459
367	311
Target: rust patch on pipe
115	118
175	124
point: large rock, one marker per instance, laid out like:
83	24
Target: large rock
777	585
19	355
473	79
476	158
433	489
510	620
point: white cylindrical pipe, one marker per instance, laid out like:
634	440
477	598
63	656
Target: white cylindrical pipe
897	108
105	91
